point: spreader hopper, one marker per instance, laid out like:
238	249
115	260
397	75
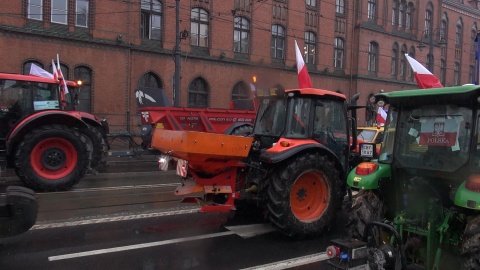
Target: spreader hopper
205	152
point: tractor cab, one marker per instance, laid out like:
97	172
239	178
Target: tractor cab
302	117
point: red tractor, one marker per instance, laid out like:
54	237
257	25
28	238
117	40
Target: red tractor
49	144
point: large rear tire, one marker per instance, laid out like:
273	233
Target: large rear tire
471	244
52	158
98	145
366	207
242	131
303	195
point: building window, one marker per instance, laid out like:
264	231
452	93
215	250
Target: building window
409	17
279	12
59	11
198	94
311	3
243	5
372	57
393	67
430	61
473	45
394	12
458	35
199	27
151	24
443	30
456	73
403	63
340	6
241	32
372	9
278	42
310	47
35	9
81	15
339	50
84	74
428	21
28	64
401	14
471	74
443	71
240	91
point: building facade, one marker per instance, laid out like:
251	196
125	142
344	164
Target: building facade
119	46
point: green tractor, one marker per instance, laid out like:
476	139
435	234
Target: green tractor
416	204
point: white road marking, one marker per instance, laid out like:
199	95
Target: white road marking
255	229
112	219
294	262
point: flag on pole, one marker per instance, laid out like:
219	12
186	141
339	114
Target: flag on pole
303	77
424	78
54	71
61	75
381	116
40	72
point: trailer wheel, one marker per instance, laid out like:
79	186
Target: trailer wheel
242	131
97	143
366	207
303	195
471	245
52	157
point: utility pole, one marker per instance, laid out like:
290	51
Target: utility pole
176	97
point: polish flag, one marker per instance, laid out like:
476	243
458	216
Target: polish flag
424	78
381	116
61	75
439	132
54	69
303	77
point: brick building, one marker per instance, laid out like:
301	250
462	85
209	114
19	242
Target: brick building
117	47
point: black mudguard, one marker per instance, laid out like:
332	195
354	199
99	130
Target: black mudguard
18	211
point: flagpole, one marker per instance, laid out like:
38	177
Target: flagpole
176	93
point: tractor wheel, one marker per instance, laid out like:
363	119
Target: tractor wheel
52	157
97	144
242	131
303	195
366	207
471	245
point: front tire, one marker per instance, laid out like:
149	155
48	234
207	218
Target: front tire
303	195
366	207
51	158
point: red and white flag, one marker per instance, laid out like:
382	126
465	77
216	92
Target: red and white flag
54	70
424	78
65	88
439	132
381	116
303	77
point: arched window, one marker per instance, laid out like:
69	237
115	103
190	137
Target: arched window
443	71
64	68
473	32
428	19
199	27
241	35
459	34
456	73
310	47
240	91
395	12
278	42
150	91
84	74
28	64
372	9
339	51
401	14
198	93
443	28
409	17
403	62
373	57
394	64
430	62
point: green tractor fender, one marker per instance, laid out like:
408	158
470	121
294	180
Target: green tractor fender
369	180
466	198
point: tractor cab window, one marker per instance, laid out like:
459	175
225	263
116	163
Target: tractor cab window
298	117
329	125
386	152
434	137
270	117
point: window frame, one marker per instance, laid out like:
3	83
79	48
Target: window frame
147	27
277	45
54	9
310	39
199	18
29	10
240	30
77	14
338	53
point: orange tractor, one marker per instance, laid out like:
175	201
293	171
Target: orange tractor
292	169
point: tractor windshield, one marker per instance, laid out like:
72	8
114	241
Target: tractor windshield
298	117
22	98
270	117
434	137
